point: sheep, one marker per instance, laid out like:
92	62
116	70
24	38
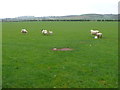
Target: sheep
24	31
99	35
46	32
93	32
50	32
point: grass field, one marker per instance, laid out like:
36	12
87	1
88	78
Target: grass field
29	62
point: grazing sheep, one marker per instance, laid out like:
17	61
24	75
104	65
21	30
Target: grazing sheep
99	35
24	31
42	31
50	32
93	32
46	32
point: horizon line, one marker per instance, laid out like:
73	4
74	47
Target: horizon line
56	15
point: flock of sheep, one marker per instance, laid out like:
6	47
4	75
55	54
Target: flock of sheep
96	33
44	32
48	32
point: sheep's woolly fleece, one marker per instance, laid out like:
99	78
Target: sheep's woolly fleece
62	49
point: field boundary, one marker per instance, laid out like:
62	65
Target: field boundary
0	55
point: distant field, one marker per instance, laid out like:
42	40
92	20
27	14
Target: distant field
29	62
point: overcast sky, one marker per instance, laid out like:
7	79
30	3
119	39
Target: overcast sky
15	8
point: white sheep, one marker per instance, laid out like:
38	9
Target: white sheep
24	31
46	32
99	35
50	32
93	32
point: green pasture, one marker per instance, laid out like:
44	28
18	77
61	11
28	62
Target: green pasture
29	62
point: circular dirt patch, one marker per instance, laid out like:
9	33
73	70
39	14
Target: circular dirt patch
62	49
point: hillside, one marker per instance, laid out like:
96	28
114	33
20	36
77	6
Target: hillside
69	17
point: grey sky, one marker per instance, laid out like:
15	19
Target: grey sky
15	8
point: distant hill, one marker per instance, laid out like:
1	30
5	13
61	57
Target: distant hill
93	17
69	17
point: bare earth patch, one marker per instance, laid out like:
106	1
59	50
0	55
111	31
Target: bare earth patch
62	49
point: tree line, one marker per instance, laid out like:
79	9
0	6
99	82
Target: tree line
5	20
